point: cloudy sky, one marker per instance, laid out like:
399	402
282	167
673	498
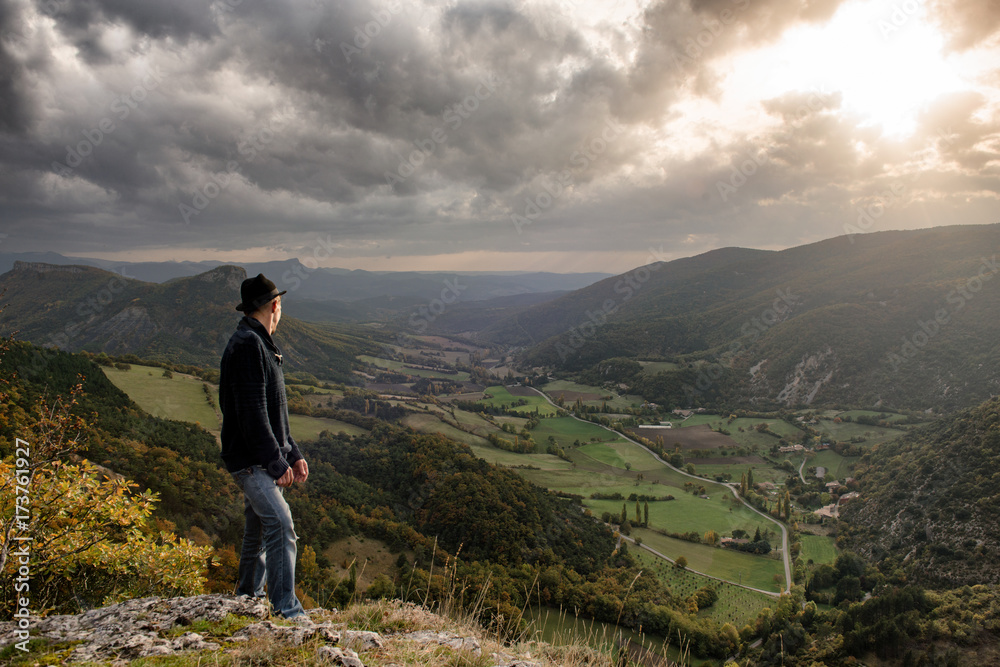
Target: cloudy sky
562	135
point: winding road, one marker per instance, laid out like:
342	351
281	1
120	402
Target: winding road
731	487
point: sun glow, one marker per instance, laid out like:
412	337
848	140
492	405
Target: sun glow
885	61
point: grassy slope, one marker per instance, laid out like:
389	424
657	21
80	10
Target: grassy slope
183	398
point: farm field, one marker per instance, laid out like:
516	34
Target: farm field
502	396
305	428
835	464
589	395
749	570
572	390
818	549
181	397
400	367
689	437
429	423
566	430
844	431
654	367
762	472
686	513
736	605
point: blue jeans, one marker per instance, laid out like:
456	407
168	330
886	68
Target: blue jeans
268	543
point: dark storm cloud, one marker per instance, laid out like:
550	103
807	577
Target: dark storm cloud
15	109
403	128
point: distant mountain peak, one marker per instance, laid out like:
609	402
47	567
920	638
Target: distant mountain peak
42	267
229	274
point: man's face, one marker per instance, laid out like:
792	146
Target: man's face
277	315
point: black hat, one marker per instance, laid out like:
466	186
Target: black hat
255	292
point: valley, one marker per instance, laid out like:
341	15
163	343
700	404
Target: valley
672	483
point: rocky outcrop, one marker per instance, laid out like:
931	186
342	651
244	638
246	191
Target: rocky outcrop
42	267
158	627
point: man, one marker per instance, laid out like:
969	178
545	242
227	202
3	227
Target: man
258	449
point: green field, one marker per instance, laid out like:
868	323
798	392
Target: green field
305	428
614	402
400	367
686	513
181	397
566	430
654	367
762	472
818	549
736	605
755	571
501	397
835	464
844	431
429	423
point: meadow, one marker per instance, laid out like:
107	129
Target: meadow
501	396
407	369
766	574
183	398
818	549
736	605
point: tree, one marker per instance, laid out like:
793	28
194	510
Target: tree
711	537
93	540
645	513
681	562
624	516
756	535
638	514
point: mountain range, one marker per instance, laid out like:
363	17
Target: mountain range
186	320
905	319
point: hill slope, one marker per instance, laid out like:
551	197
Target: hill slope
930	501
187	320
901	318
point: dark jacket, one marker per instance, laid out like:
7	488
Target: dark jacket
254	407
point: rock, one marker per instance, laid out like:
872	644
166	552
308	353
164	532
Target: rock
367	640
504	660
131	629
339	656
449	639
293	636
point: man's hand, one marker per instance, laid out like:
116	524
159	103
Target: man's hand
286	479
301	469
